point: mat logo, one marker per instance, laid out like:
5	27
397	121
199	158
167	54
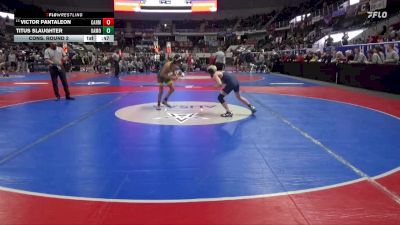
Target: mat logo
181	113
92	83
375	14
192	107
182	118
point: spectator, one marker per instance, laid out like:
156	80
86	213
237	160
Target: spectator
374	39
391	36
308	56
370	39
236	62
318	54
340	58
211	60
349	56
116	58
314	57
373	57
384	30
359	57
21	59
249	60
329	41
299	58
12	60
85	62
260	61
345	39
293	57
242	61
284	58
3	64
379	50
326	57
392	56
190	62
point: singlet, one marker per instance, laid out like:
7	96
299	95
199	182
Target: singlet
228	78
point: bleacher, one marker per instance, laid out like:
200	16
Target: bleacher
187	25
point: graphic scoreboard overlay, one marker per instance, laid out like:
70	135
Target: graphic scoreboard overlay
64	27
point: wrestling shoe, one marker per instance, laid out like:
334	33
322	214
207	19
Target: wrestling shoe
166	104
227	114
252	109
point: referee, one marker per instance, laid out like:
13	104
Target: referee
54	57
220	59
116	58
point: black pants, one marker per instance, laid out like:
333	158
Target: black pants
116	68
55	73
220	66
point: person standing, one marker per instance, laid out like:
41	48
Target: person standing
3	64
20	60
85	62
12	61
95	62
190	62
345	39
236	62
260	61
329	41
229	83
220	59
55	58
169	72
115	58
211	59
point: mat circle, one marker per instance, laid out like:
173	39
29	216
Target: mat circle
181	113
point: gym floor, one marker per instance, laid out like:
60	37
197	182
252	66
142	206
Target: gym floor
314	153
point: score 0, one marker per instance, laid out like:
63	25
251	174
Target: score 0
108	22
108	26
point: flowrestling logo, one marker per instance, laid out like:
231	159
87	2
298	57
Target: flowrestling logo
377	14
181	113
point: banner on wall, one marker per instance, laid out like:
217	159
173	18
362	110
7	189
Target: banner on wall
295	51
239	33
210	38
341	11
363	7
377	4
316	19
351	10
181	38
